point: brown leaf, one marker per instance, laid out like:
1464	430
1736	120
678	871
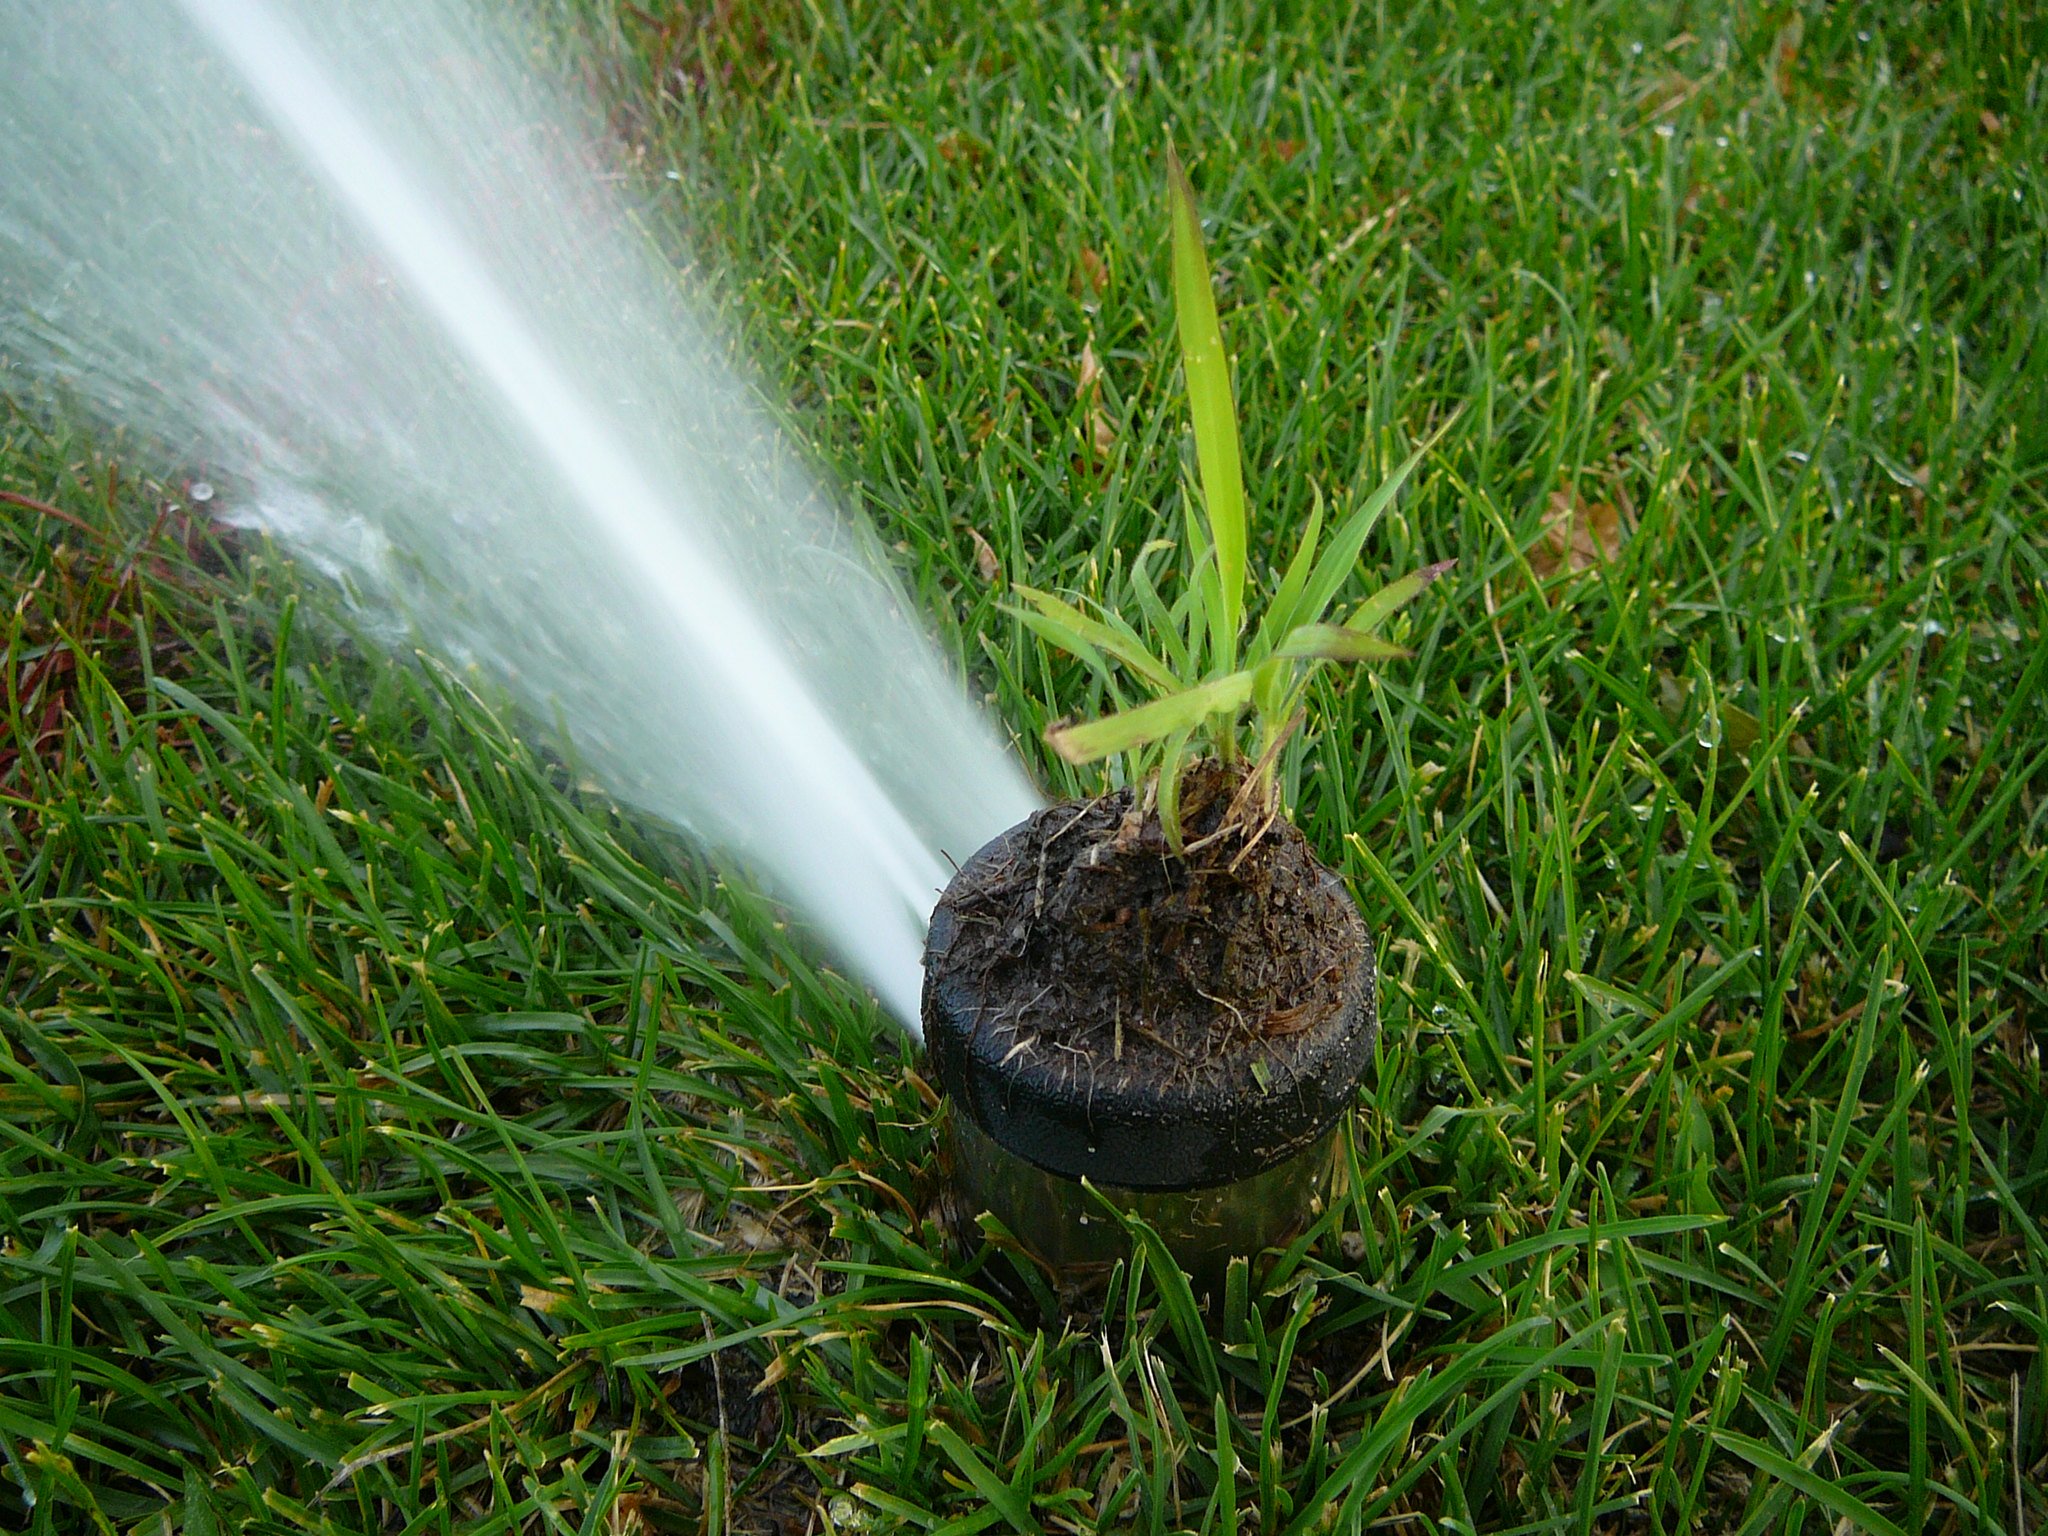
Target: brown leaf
1088	386
1100	432
1577	535
1094	271
539	1298
1668	93
1739	728
777	1369
1785	54
746	1232
985	557
2019	1043
1090	380
958	148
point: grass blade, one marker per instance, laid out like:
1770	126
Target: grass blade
1823	1491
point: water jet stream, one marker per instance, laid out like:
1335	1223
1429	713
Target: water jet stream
472	486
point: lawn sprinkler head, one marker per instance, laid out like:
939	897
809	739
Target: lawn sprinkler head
1224	1148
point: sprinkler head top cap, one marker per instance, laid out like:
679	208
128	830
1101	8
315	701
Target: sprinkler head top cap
1141	1133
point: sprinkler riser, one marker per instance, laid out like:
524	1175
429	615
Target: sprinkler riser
1067	1224
1218	1168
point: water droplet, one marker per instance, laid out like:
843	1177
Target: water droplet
1810	278
1709	732
1665	130
1933	627
1635	48
200	491
1862	37
1799	456
1720	141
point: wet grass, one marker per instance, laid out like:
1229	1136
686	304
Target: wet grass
397	1139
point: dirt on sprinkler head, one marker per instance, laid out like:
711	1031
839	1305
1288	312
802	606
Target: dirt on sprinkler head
1091	945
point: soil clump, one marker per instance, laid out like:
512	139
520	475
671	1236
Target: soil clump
1087	945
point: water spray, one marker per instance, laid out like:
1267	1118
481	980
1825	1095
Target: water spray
360	263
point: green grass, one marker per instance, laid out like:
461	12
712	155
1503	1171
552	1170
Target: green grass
396	1139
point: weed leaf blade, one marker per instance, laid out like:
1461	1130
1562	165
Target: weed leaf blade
1288	595
1394	596
1335	642
1210	405
1349	539
1069	628
1150	722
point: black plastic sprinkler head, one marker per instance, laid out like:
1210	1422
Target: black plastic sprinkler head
1221	1162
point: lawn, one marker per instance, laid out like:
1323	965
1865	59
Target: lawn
397	1137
